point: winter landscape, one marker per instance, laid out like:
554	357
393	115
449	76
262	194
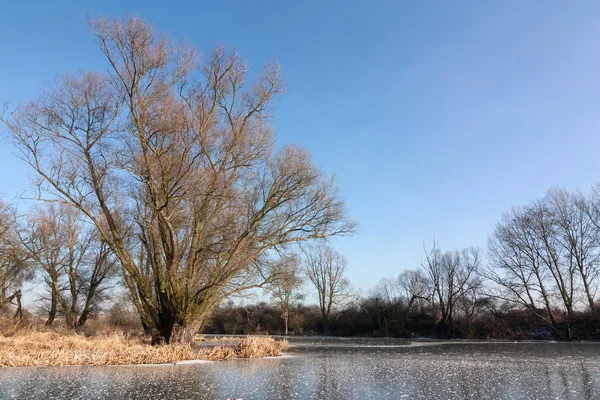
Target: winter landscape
314	200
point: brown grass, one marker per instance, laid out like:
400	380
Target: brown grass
252	347
30	347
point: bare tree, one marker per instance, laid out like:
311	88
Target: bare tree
471	300
388	305
287	281
96	282
173	161
587	242
395	298
414	286
452	274
325	268
14	269
580	238
516	268
72	260
555	258
540	253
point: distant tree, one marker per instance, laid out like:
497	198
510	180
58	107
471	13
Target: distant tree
584	238
326	269
286	285
452	274
174	162
14	269
75	264
544	257
515	266
395	298
414	286
471	301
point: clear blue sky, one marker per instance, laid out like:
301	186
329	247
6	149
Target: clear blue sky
435	116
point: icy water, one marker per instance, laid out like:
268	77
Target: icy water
341	369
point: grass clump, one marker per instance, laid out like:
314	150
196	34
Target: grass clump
253	347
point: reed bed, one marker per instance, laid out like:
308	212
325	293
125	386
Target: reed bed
252	347
37	348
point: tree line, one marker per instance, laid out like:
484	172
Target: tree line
539	279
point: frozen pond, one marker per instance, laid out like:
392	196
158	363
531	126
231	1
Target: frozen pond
343	369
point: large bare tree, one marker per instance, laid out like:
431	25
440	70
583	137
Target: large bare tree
173	160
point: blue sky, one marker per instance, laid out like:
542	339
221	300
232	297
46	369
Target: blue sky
435	117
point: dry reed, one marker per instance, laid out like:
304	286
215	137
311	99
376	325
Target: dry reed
34	348
252	347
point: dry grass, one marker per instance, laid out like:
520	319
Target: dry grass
252	347
215	339
31	347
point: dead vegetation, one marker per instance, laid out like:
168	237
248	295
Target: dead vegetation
29	346
251	347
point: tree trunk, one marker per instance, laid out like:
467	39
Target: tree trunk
69	319
145	326
183	333
589	296
19	311
172	328
326	327
86	308
84	315
82	319
178	332
16	295
53	307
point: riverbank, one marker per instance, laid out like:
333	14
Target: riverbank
39	348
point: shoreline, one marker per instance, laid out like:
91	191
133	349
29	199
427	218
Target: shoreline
182	363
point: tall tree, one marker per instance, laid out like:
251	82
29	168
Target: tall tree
451	273
286	285
326	269
516	268
544	257
173	160
14	269
75	264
